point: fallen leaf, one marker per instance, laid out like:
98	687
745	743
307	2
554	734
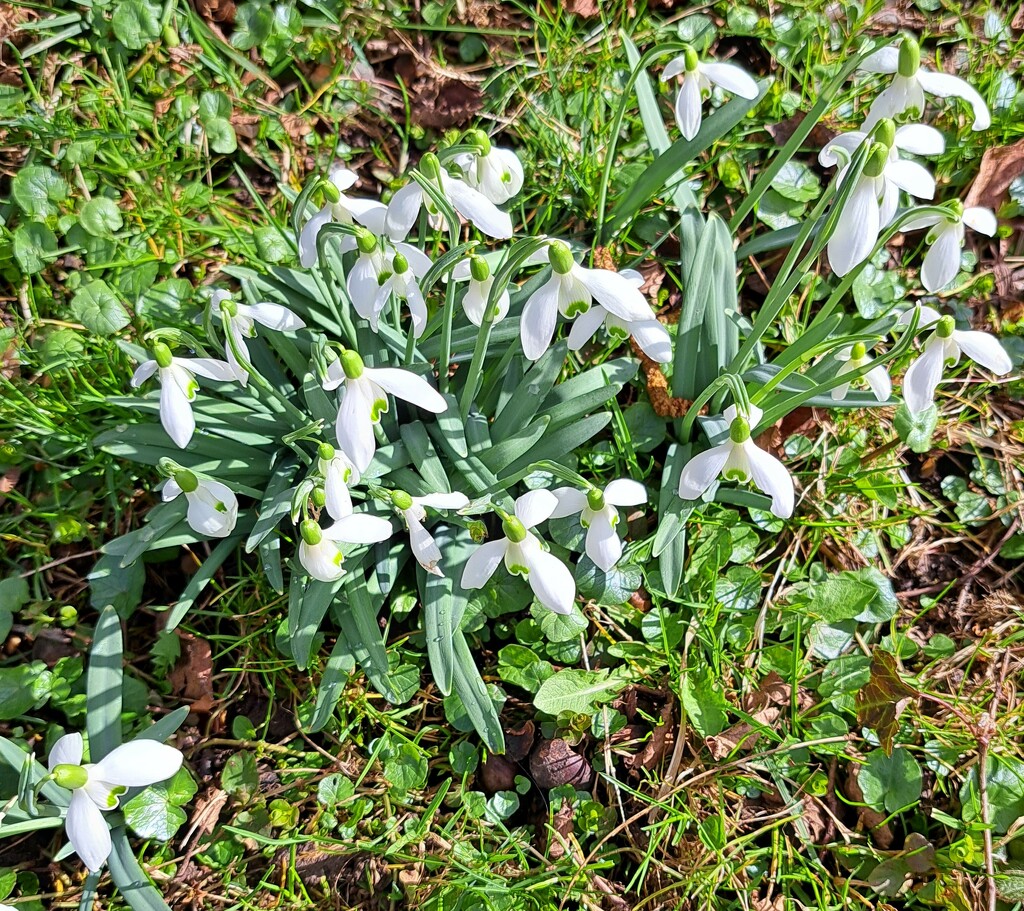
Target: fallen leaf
662	737
555	763
192	677
1000	166
883	700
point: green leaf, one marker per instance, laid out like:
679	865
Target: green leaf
97	308
704	702
796	181
221	135
37	190
155	813
475	698
35	245
213	105
120	586
1004	782
333	789
890	783
576	691
916	430
523	667
271	246
104	680
100	217
864	595
136	23
240	776
133	884
16	695
608	588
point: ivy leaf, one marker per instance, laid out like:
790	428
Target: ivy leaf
916	429
97	308
156	812
883	700
796	181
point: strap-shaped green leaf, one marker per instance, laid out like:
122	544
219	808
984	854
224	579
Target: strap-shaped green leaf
308	600
128	876
103	682
339	667
469	686
424	456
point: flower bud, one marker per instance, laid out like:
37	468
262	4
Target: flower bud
514	530
70	776
162	355
401	499
910	57
67	616
690	59
884	132
365	241
311	532
331	193
560	257
400	264
739	430
352	364
186	480
477	531
325	451
858	352
878	158
319	497
945	326
430	166
479	269
481	140
595	499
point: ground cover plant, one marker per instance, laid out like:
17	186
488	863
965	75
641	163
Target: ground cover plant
511	457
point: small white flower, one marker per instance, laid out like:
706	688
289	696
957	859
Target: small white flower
495	172
853	357
477	209
364	399
319	552
875	198
339	475
212	505
943	348
699	76
946	240
650	335
97	787
178	387
740	459
524	555
477	271
424	547
240	321
344	210
910	83
402	281
570	291
599	516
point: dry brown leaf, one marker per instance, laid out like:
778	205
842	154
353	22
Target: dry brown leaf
9	480
1000	166
192	677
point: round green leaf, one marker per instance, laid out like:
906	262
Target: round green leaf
97	308
35	245
37	190
221	135
100	217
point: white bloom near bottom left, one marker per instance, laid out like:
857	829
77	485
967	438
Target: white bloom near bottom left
96	787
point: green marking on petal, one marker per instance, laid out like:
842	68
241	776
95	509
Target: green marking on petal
380	406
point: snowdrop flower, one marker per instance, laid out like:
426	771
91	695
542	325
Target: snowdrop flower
495	172
178	386
477	209
339	475
738	458
212	506
96	787
570	291
319	552
384	267
943	348
599	516
700	76
240	324
339	209
875	197
424	547
911	83
364	399
650	335
946	240
853	357
524	555
474	301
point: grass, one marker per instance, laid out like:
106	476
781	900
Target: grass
733	772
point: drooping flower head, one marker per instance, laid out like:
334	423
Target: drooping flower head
339	475
945	240
853	357
212	505
338	209
413	510
178	387
524	555
599	516
910	84
477	271
739	459
495	172
943	349
698	76
240	321
320	552
96	787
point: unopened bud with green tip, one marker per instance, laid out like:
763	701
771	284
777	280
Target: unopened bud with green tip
430	166
365	241
858	352
481	140
311	532
560	257
352	364
400	264
956	208
319	497
69	776
229	307
478	268
739	430
401	499
514	530
878	158
910	57
162	355
67	616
